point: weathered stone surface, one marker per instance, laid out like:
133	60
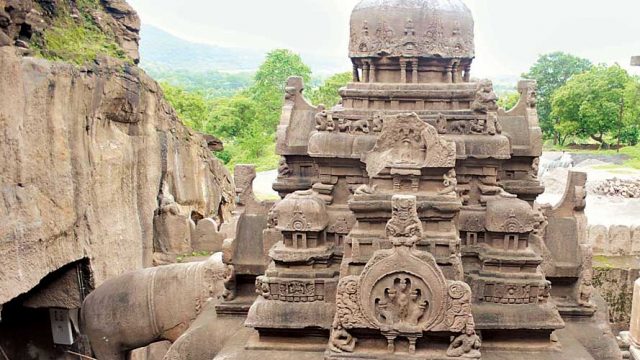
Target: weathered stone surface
599	238
614	278
619	240
84	156
155	351
207	237
141	307
635	240
172	234
634	328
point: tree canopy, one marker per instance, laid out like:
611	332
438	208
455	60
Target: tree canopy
600	103
247	120
327	93
552	71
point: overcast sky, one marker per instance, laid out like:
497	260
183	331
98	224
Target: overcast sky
510	34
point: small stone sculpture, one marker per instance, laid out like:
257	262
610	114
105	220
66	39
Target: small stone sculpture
341	340
450	183
466	345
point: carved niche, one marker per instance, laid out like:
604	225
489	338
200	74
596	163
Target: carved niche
408	142
402	292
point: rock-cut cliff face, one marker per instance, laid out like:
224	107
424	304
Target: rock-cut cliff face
87	153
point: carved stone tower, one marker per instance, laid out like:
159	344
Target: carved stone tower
407	228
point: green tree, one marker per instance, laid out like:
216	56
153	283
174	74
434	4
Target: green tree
270	81
597	104
229	116
327	94
552	71
509	100
191	107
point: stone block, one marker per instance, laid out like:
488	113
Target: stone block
619	240
599	239
173	234
207	237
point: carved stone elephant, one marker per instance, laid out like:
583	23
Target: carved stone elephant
150	305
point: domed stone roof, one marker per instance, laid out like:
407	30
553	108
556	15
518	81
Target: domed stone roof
510	216
411	28
302	211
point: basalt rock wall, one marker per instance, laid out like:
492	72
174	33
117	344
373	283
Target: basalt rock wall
88	155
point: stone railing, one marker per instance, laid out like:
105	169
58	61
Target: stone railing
616	240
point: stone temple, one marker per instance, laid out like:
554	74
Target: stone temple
408	227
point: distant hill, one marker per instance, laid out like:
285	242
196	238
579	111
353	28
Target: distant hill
163	51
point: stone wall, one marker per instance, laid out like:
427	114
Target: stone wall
616	240
616	267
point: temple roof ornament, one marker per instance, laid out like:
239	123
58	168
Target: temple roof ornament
436	28
302	211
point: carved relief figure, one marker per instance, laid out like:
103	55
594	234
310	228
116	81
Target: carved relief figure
401	306
341	340
404	228
535	169
450	183
365	189
377	122
354	126
441	124
283	168
485	100
324	121
466	345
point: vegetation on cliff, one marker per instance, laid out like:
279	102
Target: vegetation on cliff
74	34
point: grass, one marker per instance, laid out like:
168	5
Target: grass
78	41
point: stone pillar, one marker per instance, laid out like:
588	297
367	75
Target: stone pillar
365	72
372	72
635	61
403	72
414	66
467	73
454	72
356	75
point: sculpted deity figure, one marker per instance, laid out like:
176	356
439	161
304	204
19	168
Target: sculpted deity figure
450	183
586	290
341	340
404	228
466	345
